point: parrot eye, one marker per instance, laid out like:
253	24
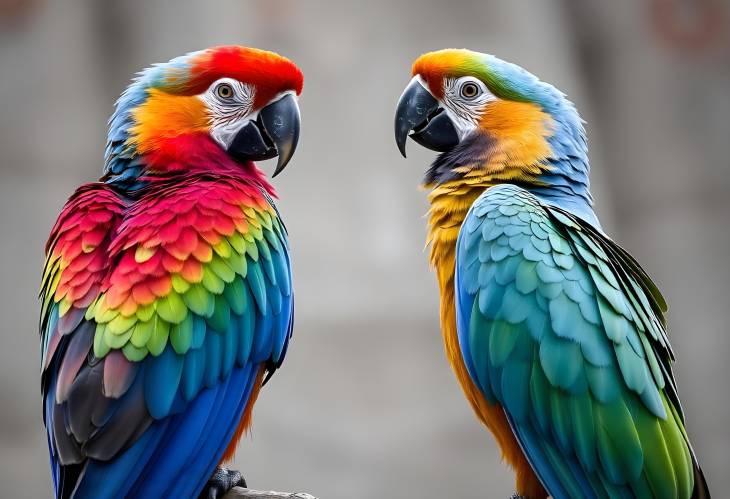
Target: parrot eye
469	90
224	91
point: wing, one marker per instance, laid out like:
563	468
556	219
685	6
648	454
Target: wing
197	306
562	328
77	256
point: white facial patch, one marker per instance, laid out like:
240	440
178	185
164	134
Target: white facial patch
230	103
464	101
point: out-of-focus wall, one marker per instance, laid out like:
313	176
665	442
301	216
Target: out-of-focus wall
366	401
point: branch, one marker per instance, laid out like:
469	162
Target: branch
241	493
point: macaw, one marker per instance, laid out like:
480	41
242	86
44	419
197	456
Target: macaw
166	293
555	333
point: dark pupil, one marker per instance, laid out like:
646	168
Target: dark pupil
470	90
224	91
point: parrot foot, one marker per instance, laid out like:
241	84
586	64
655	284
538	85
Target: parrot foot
221	482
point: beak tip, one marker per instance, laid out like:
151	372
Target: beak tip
283	160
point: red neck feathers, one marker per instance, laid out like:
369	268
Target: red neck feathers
197	153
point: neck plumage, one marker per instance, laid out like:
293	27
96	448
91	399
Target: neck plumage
458	177
188	156
194	153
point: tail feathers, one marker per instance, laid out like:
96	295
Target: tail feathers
68	478
701	490
176	456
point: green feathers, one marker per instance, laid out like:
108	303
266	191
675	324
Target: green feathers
565	331
239	275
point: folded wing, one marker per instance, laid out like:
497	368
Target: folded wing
193	303
562	328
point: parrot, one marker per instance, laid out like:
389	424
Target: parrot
555	333
166	296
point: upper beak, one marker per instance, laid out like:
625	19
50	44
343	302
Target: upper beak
274	133
419	112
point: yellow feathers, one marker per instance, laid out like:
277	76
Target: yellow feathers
449	204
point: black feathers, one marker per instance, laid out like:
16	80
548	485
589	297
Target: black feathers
473	149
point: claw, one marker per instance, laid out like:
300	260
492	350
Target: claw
221	482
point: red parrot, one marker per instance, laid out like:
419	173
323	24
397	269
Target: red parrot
167	294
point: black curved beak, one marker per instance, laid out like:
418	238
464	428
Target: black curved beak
419	112
274	133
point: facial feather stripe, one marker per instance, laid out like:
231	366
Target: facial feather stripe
224	112
464	113
228	115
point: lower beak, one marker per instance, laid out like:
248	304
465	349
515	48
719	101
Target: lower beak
274	133
419	112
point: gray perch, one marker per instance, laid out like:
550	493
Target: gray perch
241	493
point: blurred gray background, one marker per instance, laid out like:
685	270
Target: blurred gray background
366	404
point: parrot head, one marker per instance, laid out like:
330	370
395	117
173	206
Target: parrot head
493	122
233	103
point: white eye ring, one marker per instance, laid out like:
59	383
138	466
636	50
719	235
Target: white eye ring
224	91
470	90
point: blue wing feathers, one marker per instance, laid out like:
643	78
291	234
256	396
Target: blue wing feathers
246	325
174	444
162	382
555	325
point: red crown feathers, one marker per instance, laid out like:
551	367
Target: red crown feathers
269	72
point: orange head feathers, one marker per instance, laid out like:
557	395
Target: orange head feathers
493	122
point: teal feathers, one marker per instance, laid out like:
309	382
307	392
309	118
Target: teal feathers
563	329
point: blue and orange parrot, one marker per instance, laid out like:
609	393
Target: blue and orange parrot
556	335
167	293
